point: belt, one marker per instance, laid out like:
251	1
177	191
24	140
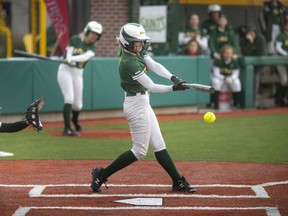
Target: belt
128	94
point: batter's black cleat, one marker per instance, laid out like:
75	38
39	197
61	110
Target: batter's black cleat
183	185
78	127
70	132
97	179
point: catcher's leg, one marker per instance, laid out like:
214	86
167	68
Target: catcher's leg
13	127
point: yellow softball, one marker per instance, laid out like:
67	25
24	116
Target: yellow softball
209	117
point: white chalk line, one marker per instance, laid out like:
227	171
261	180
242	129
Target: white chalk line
212	196
270	211
259	190
147	185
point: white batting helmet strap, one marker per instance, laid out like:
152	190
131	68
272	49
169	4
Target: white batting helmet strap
94	27
132	32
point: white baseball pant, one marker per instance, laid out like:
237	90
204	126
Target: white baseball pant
70	80
143	124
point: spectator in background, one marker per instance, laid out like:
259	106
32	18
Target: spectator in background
282	50
223	35
252	43
192	48
272	19
52	43
210	25
194	32
226	70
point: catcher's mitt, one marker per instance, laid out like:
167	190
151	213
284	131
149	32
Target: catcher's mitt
32	116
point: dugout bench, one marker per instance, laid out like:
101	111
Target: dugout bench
247	75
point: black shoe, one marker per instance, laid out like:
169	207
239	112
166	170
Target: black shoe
183	185
77	125
70	132
97	179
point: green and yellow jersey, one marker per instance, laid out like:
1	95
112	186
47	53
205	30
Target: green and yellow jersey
218	39
209	26
194	33
283	38
226	69
276	14
130	68
80	47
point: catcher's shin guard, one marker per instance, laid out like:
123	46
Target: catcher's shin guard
183	185
97	179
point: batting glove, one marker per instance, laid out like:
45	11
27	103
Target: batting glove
179	86
177	80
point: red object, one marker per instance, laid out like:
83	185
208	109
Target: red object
195	53
224	97
59	16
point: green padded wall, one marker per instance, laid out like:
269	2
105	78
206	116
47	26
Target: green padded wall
24	80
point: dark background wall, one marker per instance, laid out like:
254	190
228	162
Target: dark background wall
237	15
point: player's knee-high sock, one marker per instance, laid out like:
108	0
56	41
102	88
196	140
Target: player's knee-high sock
236	99
166	162
216	99
121	162
67	114
13	127
75	115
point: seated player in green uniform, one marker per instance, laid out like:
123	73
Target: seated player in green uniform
226	71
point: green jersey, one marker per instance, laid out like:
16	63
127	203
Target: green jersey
209	26
80	47
283	38
130	68
218	39
194	33
257	48
276	14
226	69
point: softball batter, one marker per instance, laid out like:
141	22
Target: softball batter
70	74
143	124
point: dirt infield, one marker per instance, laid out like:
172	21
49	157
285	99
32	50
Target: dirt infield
61	187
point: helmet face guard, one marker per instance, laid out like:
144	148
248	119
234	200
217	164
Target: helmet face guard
130	33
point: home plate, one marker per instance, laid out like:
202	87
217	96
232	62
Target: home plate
5	154
142	201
